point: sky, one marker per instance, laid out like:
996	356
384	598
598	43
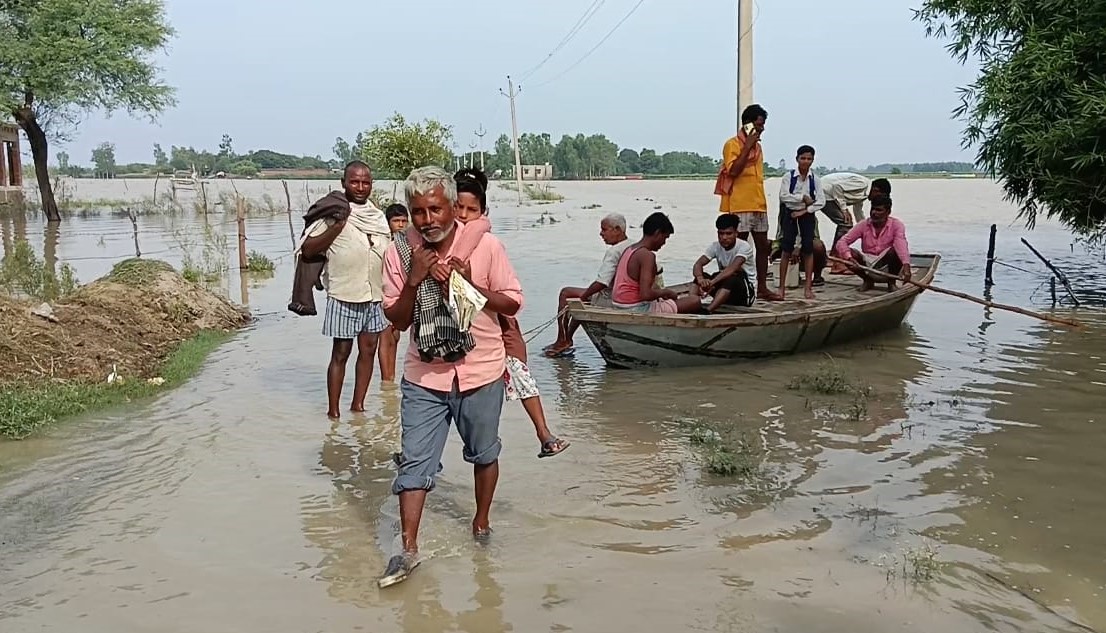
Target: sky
857	79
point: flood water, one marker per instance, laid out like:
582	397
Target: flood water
233	504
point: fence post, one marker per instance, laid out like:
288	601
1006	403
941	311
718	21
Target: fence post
989	280
288	204
241	212
134	228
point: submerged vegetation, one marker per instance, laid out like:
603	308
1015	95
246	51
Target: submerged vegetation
24	274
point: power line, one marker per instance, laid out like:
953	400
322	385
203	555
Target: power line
589	13
594	48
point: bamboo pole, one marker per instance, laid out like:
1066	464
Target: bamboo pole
288	206
241	213
964	296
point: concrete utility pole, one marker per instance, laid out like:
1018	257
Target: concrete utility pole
480	132
511	94
472	153
744	57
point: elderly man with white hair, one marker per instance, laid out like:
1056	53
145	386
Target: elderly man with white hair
612	229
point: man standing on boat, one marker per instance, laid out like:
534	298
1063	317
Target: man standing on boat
883	246
740	185
612	230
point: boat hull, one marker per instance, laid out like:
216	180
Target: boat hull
636	340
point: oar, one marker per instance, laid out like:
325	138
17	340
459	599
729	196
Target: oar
967	297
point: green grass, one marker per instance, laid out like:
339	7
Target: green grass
26	408
138	273
257	262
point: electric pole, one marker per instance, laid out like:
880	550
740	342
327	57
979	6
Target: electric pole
511	94
744	57
480	134
472	153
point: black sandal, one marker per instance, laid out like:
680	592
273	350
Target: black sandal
553	446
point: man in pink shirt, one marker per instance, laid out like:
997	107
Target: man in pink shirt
449	376
883	246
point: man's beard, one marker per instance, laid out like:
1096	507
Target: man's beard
441	235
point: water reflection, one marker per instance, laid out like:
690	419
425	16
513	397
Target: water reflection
1030	481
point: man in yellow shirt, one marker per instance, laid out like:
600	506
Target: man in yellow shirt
741	187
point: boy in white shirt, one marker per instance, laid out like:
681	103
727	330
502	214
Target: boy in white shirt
735	282
802	196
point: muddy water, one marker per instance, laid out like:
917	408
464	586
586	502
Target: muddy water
966	493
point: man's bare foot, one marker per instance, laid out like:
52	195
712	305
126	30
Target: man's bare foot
867	285
768	295
890	286
809	294
333	415
781	293
481	533
357	407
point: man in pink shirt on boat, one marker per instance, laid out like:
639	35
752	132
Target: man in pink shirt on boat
883	246
450	376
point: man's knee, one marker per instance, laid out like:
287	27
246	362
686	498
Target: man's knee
341	350
478	423
424	424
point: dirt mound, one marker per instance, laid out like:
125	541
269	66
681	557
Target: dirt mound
132	318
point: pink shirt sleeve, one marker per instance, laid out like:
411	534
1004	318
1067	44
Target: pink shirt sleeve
847	239
471	236
501	274
902	248
394	276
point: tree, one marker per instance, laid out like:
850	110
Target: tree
226	147
63	162
61	58
103	159
161	160
535	149
630	161
244	168
1037	111
394	148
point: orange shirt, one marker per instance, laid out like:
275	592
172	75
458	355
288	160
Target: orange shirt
485	363
747	194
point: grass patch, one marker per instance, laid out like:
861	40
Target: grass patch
726	454
827	379
24	408
542	193
138	273
258	263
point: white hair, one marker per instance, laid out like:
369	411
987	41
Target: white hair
616	220
425	179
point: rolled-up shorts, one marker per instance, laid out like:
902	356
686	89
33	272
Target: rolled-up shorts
424	419
657	306
346	320
518	382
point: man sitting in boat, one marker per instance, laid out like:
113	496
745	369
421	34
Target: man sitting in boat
735	282
883	246
634	277
612	230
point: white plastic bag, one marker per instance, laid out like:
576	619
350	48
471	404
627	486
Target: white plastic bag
465	302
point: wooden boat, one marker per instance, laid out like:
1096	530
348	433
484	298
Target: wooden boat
841	313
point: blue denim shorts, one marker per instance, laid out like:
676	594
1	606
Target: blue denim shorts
424	419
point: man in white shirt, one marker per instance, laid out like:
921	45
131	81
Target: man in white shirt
735	282
801	196
612	229
353	277
846	189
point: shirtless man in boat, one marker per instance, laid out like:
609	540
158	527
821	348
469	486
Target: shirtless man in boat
634	288
612	230
883	246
